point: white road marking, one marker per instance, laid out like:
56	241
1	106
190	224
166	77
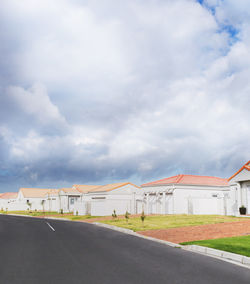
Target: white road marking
50	227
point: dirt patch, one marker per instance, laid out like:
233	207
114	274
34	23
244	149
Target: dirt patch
203	232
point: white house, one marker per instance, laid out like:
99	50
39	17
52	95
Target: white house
103	200
7	200
37	199
240	186
188	194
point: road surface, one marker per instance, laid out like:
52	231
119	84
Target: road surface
34	251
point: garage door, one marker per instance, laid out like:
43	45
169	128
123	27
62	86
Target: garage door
98	208
209	206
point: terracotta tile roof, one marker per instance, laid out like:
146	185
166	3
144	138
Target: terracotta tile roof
190	179
8	195
246	167
70	190
37	192
84	188
112	186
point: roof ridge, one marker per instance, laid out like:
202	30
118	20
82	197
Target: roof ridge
179	178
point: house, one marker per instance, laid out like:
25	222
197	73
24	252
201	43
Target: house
69	197
103	200
38	199
240	186
188	194
7	200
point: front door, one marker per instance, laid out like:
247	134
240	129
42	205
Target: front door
72	201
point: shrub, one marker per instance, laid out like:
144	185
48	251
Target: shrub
61	211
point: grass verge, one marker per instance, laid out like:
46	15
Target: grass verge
239	245
168	221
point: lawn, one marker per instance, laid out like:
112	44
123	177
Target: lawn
169	221
239	245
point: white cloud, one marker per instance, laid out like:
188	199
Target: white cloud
143	89
36	102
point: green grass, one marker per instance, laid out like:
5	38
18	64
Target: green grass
169	221
239	245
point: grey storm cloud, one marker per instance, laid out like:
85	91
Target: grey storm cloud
137	90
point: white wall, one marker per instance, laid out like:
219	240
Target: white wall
184	199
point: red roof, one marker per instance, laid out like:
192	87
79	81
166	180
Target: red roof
246	167
190	179
8	195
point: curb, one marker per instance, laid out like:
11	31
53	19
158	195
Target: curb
130	232
219	254
237	258
36	217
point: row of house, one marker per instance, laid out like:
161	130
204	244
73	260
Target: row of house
180	194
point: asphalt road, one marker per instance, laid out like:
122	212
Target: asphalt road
31	252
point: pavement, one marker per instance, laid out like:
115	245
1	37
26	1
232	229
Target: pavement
34	251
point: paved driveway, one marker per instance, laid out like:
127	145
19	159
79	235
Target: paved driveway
34	251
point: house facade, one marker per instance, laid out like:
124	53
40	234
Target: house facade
37	199
240	186
120	197
188	194
7	200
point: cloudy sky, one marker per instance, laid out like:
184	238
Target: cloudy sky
93	91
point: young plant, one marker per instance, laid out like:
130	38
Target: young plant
61	211
127	216
42	203
114	214
143	217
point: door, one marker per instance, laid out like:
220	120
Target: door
72	200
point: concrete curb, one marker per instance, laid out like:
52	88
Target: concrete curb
223	255
36	217
238	258
130	232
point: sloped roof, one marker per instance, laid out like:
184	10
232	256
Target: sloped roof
112	186
70	190
246	167
84	188
38	192
190	180
8	195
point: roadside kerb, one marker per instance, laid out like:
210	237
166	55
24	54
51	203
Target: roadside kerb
220	254
223	255
37	217
130	232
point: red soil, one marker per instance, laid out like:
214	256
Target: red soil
203	232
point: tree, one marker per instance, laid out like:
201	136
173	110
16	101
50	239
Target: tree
42	203
143	216
127	216
114	214
29	204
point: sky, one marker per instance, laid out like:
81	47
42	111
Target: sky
94	92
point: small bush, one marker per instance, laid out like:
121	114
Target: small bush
61	211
